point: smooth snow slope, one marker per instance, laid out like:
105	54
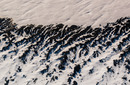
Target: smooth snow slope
79	12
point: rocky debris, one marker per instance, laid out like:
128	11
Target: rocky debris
69	52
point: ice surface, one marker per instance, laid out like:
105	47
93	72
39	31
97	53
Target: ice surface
79	12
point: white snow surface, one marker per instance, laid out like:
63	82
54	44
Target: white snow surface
79	12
